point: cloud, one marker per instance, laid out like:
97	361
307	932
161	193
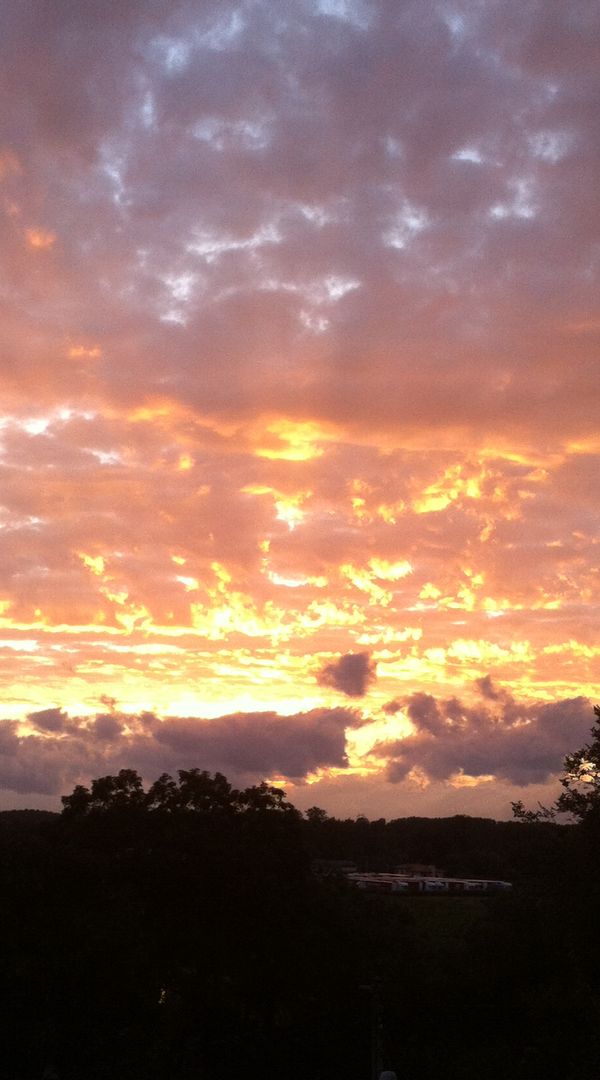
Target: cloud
292	136
245	746
352	674
51	720
107	727
263	743
390	708
516	742
300	293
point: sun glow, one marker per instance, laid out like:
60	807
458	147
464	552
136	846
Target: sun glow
287	440
299	402
40	239
84	352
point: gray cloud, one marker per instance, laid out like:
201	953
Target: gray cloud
51	720
382	218
517	742
262	743
107	727
390	708
352	674
317	150
246	746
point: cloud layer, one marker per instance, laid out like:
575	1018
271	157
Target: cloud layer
450	744
49	751
495	738
298	359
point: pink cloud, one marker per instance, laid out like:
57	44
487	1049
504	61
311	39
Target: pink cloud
302	291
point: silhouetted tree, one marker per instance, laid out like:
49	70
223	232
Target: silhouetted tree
580	797
195	791
265	797
200	791
107	793
164	794
78	802
581	782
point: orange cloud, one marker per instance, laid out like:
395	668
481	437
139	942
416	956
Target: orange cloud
84	352
9	164
287	440
40	239
345	406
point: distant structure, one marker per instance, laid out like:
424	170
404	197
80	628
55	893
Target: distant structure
413	883
417	869
408	878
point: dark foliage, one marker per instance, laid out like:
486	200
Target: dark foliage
580	797
179	932
196	791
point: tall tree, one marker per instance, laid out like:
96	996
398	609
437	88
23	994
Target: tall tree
580	797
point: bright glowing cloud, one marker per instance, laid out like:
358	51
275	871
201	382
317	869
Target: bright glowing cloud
42	239
300	392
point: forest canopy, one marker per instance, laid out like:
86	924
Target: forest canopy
195	789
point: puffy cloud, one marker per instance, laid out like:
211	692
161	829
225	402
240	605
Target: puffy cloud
496	737
52	720
298	292
247	747
390	708
260	744
460	757
351	674
332	215
107	727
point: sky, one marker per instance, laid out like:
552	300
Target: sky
299	444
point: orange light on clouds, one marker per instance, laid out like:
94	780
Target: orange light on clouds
302	408
287	440
450	487
40	239
388	571
9	164
288	507
156	411
463	780
84	352
95	563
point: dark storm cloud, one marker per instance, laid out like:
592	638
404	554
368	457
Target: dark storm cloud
246	746
521	743
352	674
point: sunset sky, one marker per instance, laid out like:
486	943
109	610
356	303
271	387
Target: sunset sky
300	442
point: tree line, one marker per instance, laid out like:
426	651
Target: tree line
179	932
195	790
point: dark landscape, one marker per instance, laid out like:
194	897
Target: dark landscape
192	930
